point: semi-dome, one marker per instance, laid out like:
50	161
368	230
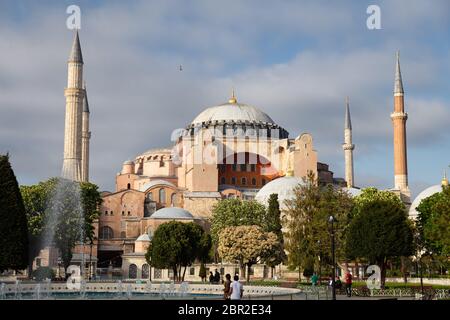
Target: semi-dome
143	237
172	213
413	213
283	186
153	183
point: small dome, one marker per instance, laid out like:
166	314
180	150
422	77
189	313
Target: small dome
283	186
172	213
128	162
143	237
233	112
154	183
413	213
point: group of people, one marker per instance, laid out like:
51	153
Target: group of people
232	290
214	278
348	279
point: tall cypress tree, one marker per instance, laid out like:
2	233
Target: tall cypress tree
273	217
13	221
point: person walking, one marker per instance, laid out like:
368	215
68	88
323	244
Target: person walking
227	287
348	283
237	290
211	278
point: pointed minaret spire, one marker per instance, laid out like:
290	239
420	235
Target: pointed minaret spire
75	53
85	138
74	94
398	86
348	147
85	101
399	118
348	121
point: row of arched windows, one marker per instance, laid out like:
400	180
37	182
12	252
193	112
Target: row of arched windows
162	197
145	271
223	180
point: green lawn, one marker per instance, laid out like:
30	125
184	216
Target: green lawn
399	285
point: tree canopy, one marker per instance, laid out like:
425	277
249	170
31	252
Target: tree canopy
308	240
236	212
13	221
65	203
176	244
246	245
433	223
379	229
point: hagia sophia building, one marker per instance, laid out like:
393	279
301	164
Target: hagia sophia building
229	150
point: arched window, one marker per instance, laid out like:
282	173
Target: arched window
162	196
128	186
253	182
145	271
106	233
173	199
233	180
244	181
263	182
132	271
223	180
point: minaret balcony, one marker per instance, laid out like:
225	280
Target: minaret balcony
399	115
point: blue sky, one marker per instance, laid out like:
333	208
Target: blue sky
295	60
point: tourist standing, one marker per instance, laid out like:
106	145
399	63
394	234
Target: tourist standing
211	278
237	290
227	287
348	283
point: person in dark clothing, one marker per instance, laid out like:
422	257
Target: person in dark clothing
211	277
227	287
216	277
338	283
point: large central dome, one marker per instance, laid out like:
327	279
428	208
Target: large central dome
233	111
241	119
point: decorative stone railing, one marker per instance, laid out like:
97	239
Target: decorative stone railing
161	290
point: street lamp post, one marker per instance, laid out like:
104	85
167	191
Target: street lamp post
332	220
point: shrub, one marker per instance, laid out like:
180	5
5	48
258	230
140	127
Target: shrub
43	273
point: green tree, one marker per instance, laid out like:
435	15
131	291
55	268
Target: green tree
176	245
236	212
246	245
308	240
274	257
13	221
379	229
67	202
433	225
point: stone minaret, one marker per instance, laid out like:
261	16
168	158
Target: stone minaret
85	136
74	94
399	118
348	147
